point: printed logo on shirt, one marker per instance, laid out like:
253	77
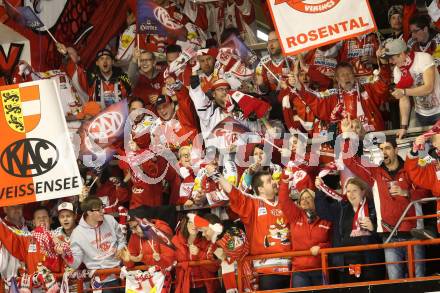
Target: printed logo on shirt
278	233
276	212
262	211
32	247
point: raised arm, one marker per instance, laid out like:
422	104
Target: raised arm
290	209
14	243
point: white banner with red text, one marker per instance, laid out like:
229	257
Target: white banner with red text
307	24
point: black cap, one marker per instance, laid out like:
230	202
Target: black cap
162	99
103	52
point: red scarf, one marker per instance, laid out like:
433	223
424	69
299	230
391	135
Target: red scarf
360	214
406	80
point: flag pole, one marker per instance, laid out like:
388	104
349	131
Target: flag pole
270	71
271	143
50	34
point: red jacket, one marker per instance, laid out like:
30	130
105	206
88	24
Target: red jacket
186	275
391	207
371	96
267	226
116	195
137	245
27	249
304	234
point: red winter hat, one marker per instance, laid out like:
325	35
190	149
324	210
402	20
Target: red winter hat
220	82
200	222
213	52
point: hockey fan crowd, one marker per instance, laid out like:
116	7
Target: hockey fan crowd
242	159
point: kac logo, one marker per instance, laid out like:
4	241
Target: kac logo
29	157
310	6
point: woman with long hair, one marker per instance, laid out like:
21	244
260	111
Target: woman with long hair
354	223
192	244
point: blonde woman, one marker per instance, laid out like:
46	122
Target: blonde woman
354	223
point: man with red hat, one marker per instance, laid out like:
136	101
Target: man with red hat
107	85
212	111
208	74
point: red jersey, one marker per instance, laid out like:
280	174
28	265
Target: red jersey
268	225
426	174
145	87
280	68
324	60
362	102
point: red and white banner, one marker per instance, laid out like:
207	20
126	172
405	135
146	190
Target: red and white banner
306	24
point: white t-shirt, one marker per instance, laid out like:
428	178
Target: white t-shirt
425	105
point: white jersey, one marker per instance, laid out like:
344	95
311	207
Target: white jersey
210	114
424	105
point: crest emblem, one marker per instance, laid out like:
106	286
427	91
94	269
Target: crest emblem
22	108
